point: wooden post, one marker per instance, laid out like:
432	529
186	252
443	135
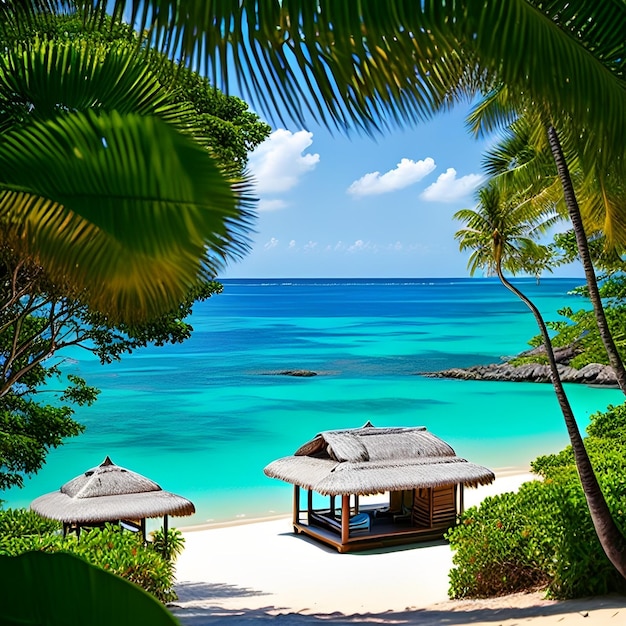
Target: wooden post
345	518
296	504
431	498
332	507
143	531
309	502
356	503
165	532
461	500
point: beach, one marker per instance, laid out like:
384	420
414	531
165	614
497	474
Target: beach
261	570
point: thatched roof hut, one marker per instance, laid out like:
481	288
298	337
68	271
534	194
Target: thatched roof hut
412	463
110	493
373	460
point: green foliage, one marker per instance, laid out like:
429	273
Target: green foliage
124	554
525	359
579	329
110	548
542	536
22	523
28	429
42	324
61	589
222	123
498	549
605	257
174	546
608	424
59	76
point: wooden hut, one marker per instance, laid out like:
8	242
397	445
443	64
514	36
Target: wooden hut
110	493
420	474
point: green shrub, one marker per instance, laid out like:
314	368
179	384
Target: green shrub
110	548
124	554
609	424
22	522
542	536
498	550
174	546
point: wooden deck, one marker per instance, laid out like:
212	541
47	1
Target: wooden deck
384	531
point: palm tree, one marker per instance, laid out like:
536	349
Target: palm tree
585	257
531	157
502	236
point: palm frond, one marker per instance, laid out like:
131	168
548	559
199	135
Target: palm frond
351	63
122	204
43	78
494	112
369	63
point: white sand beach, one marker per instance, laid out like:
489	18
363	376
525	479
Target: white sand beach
262	570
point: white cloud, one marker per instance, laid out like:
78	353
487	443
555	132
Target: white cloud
448	188
270	205
279	162
406	173
359	245
292	244
272	243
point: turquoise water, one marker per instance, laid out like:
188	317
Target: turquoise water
203	418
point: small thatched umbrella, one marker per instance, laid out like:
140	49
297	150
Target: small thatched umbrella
110	493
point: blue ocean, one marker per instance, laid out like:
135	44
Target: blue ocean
203	418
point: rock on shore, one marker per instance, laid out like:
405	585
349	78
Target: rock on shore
591	374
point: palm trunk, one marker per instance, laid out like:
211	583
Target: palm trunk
611	539
585	258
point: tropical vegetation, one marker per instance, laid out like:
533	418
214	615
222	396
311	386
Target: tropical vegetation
532	160
362	63
150	566
60	588
542	537
42	312
109	179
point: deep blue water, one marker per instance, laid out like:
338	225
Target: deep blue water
203	418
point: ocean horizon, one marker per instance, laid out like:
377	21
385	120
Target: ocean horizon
203	418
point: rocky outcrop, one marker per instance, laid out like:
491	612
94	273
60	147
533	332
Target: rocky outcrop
591	374
301	373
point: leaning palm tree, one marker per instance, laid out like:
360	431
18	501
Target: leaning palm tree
530	156
502	236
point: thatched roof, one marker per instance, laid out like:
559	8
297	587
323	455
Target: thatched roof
107	493
372	460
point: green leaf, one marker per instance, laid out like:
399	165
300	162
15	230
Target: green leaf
372	63
123	207
60	589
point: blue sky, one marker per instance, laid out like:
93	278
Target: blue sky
349	207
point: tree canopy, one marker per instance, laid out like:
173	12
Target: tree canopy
43	309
